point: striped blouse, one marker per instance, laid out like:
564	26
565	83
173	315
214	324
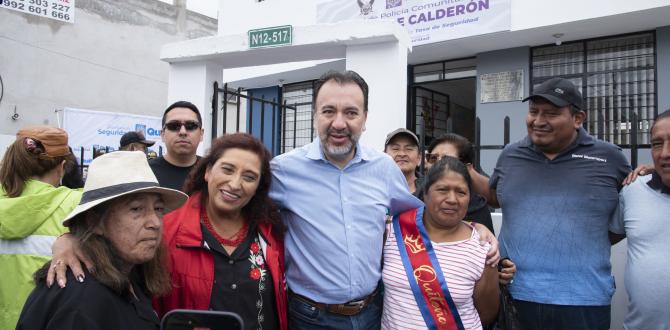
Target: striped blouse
463	264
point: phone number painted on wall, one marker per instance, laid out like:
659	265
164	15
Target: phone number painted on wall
62	10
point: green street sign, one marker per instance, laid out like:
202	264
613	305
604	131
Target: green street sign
271	37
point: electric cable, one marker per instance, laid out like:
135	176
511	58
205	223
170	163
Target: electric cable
2	89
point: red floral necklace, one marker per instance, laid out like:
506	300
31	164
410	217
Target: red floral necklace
234	240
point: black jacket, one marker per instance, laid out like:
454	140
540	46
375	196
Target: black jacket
87	305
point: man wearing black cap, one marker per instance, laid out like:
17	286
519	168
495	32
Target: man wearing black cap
134	141
558	189
403	146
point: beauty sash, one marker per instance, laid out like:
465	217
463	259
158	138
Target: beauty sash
424	273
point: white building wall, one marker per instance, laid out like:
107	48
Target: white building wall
107	60
239	16
387	80
528	14
543	18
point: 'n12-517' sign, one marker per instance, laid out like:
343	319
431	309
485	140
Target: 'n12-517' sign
271	37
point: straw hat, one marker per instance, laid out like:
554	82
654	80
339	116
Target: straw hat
121	173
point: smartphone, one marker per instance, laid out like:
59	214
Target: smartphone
187	319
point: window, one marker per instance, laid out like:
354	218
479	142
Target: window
445	70
616	76
297	126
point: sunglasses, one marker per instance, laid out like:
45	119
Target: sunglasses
176	126
434	158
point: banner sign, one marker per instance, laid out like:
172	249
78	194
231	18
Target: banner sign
100	130
426	21
62	10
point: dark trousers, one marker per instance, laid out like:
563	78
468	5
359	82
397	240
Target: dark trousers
301	316
547	317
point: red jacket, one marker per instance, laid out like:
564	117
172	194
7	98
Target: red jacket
191	265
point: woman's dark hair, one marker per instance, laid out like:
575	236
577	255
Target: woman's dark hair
466	151
72	177
260	208
24	159
152	275
445	165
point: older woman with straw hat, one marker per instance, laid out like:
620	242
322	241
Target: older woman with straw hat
118	227
225	245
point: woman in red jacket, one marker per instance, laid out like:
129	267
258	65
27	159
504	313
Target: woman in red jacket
225	245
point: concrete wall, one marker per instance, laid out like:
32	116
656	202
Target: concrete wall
236	16
492	115
107	60
663	67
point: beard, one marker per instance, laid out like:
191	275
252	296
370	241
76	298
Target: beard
338	151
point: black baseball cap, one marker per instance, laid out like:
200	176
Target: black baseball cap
559	91
135	137
404	131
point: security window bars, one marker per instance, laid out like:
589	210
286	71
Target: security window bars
445	70
616	76
432	113
297	125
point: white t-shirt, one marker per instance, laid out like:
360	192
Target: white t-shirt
462	263
643	215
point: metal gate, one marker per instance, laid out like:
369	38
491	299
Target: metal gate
235	110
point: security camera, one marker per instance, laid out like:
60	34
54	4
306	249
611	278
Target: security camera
557	38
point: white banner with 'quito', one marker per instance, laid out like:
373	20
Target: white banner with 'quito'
427	21
98	129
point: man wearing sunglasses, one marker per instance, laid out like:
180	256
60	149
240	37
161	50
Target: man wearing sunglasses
182	132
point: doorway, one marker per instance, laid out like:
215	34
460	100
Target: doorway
443	99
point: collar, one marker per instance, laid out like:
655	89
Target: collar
189	233
583	139
656	184
315	152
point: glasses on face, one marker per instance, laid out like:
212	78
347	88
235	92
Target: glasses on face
175	126
434	158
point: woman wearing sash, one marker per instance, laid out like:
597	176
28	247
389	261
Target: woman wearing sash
434	266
